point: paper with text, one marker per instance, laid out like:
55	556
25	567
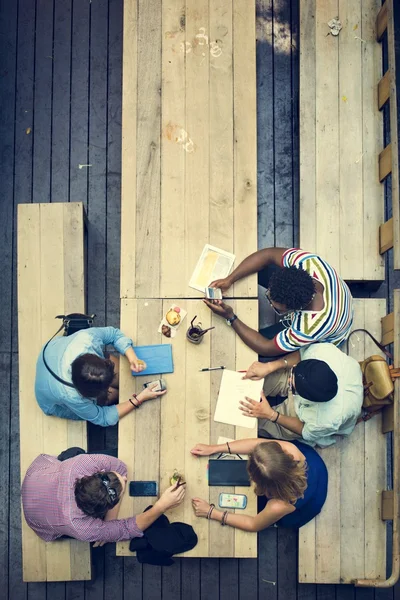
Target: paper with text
232	390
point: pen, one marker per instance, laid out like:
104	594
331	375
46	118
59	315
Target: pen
211	369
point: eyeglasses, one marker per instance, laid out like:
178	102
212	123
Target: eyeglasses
111	491
278	312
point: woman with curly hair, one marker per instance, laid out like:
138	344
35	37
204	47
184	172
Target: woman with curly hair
312	301
290	478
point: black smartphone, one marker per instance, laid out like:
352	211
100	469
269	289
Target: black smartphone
143	488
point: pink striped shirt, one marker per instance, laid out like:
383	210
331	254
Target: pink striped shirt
49	504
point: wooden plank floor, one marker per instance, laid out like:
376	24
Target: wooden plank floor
341	131
87	63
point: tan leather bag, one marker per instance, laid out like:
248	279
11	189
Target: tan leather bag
378	383
378	378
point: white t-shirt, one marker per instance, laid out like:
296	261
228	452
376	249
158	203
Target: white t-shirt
324	420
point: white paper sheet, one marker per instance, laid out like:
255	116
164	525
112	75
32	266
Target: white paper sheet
213	263
233	389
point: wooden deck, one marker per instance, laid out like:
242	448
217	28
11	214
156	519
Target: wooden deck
63	109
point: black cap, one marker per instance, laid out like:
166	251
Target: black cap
315	380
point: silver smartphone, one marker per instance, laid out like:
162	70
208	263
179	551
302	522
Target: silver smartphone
213	293
161	385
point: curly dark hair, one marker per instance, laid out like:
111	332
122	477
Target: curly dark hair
292	287
92	497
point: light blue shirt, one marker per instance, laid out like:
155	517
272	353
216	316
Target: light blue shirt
60	400
323	421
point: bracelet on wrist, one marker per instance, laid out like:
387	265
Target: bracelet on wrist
276	418
212	506
229	448
224	518
133	403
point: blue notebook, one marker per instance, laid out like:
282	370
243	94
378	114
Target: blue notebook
158	359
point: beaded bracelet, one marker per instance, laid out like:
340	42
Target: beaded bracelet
224	518
212	506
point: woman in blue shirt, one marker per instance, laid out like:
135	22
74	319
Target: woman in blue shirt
79	360
290	477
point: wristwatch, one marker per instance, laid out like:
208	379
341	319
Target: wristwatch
230	320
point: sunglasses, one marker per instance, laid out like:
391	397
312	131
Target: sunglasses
277	311
111	491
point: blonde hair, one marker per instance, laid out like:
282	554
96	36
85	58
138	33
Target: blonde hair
276	474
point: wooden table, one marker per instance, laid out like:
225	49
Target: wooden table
156	440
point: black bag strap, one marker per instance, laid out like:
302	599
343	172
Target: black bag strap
44	359
380	346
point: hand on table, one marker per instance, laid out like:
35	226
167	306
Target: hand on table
222	284
149	394
260	410
172	497
219	308
202	450
98	544
200	507
137	365
259	370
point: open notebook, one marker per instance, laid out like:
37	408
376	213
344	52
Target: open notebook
233	389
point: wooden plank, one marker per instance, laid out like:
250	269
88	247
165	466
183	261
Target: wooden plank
127	425
148	166
385	162
246	542
387	330
197	427
172	153
172	444
308	201
386	236
282	130
197	173
352	478
384	90
327	135
221	126
388	419
382	21
147	421
394	132
128	174
245	147
265	124
29	320
372	141
375	465
307	553
61	106
43	102
351	75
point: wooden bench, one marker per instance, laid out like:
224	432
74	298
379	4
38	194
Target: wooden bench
156	440
50	282
346	543
341	136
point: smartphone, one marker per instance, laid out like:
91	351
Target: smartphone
161	385
213	293
232	500
143	488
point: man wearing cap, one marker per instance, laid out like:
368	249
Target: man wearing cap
314	394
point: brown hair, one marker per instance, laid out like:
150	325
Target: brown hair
275	473
91	374
92	495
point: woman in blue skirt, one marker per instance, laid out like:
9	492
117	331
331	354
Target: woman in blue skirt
290	477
